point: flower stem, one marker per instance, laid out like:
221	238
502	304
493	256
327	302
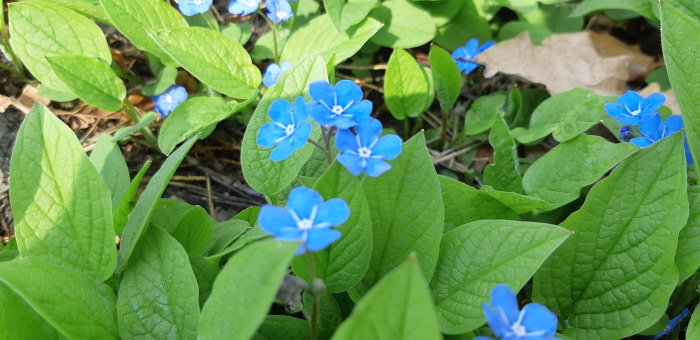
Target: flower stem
136	117
314	297
273	27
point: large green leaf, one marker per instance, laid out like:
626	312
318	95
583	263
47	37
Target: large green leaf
345	262
479	255
559	175
407	213
441	11
519	203
194	230
483	112
398	307
320	36
244	290
134	18
693	331
90	8
90	79
407	86
276	327
688	253
110	163
504	173
464	204
158	294
218	61
61	206
447	77
680	39
40	29
564	115
646	8
346	13
260	172
75	305
613	278
466	23
126	202
405	25
140	215
192	116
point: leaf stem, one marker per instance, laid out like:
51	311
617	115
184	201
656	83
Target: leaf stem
130	110
273	27
314	296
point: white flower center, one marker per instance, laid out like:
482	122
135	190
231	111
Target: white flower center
281	14
364	152
196	2
289	129
305	224
168	98
519	330
635	112
337	110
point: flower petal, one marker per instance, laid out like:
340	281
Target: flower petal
300	114
641	142
673	124
323	91
537	318
346	141
283	150
368	130
278	10
485	46
389	147
631	100
281	112
499	325
333	212
301	135
302	201
688	156
653	102
467	67
269	134
472	47
460	53
285	65
347	91
615	110
376	167
319	239
351	162
274	220
318	113
271	75
650	126
503	298
360	110
343	122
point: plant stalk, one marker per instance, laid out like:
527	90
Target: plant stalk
314	297
136	117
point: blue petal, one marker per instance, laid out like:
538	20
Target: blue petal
189	8
503	298
333	212
460	53
300	114
483	338
650	126
376	167
167	101
389	147
318	113
301	135
269	134
346	141
281	112
641	142
467	67
653	102
347	91
673	123
615	110
271	75
631	99
343	122
241	8
278	10
286	65
283	150
323	91
351	162
275	220
485	46
360	110
472	47
499	325
319	239
302	201
537	318
368	130
629	120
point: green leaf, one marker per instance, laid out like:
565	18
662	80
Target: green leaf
688	253
23	322
398	307
464	204
329	313
447	77
565	116
276	327
441	11
504	173
483	113
61	206
693	331
75	305
244	290
519	203
140	215
123	208
194	230
645	8
158	294
406	86
40	29
513	28
240	32
346	13
134	18
225	233
407	213
89	8
680	38
345	262
623	245
107	158
321	37
146	120
220	62
467	23
405	25
91	79
260	172
559	175
165	77
192	116
205	270
479	255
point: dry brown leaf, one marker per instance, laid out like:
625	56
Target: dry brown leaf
563	62
609	46
670	97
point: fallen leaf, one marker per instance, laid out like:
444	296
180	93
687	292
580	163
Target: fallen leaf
671	102
563	62
608	46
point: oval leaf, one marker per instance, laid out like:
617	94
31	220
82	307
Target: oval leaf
407	88
90	79
405	25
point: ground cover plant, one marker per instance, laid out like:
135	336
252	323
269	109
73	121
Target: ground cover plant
401	169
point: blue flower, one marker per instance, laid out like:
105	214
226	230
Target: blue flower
167	101
631	107
654	130
625	132
673	323
278	10
287	130
341	106
508	322
307	219
464	56
273	72
243	7
193	7
365	151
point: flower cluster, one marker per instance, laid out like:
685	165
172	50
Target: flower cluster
277	10
464	56
634	110
335	108
508	322
167	101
